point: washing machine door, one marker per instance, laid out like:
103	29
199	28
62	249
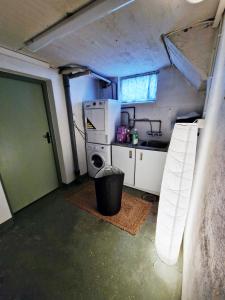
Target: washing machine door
97	161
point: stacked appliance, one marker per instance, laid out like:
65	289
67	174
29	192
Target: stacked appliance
101	117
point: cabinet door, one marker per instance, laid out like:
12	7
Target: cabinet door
124	159
149	170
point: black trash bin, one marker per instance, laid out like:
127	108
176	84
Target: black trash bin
108	188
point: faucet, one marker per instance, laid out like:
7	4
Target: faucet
151	131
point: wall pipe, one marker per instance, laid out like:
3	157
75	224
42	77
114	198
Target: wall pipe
216	97
151	132
134	111
89	72
66	83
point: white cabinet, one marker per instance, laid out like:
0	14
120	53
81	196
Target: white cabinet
124	159
143	169
149	170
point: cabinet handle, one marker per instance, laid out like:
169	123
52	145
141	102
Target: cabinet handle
130	154
141	156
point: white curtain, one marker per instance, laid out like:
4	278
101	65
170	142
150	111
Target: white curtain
139	89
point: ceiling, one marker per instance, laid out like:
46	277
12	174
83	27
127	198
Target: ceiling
123	43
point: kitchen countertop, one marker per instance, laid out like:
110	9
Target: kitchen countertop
139	146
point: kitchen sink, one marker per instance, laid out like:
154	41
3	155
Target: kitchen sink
154	144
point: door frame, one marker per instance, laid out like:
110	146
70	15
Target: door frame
48	111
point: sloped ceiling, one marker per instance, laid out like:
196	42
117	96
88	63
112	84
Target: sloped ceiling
123	43
197	45
191	52
22	19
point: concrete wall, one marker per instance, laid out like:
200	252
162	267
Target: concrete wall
19	64
204	239
175	96
83	88
206	278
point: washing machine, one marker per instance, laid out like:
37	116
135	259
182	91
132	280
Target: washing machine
101	118
98	156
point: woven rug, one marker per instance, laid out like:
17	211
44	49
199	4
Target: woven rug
132	215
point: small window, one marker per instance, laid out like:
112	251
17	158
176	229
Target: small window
139	88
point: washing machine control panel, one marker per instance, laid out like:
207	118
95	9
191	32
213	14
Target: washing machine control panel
94	104
95	147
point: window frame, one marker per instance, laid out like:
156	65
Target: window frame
135	76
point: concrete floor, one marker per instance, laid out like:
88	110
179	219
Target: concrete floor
57	251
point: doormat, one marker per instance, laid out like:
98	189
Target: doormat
132	215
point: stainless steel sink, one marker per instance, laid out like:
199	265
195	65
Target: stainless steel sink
154	144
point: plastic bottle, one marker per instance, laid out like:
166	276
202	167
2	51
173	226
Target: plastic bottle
135	137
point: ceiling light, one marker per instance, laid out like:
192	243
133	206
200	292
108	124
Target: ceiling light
194	1
85	16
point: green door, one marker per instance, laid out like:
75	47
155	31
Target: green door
27	164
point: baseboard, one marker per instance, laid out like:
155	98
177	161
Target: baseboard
78	180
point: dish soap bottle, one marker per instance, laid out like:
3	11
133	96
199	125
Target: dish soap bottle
135	137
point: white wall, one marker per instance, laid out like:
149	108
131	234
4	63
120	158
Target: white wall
109	92
83	88
20	64
5	213
175	96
